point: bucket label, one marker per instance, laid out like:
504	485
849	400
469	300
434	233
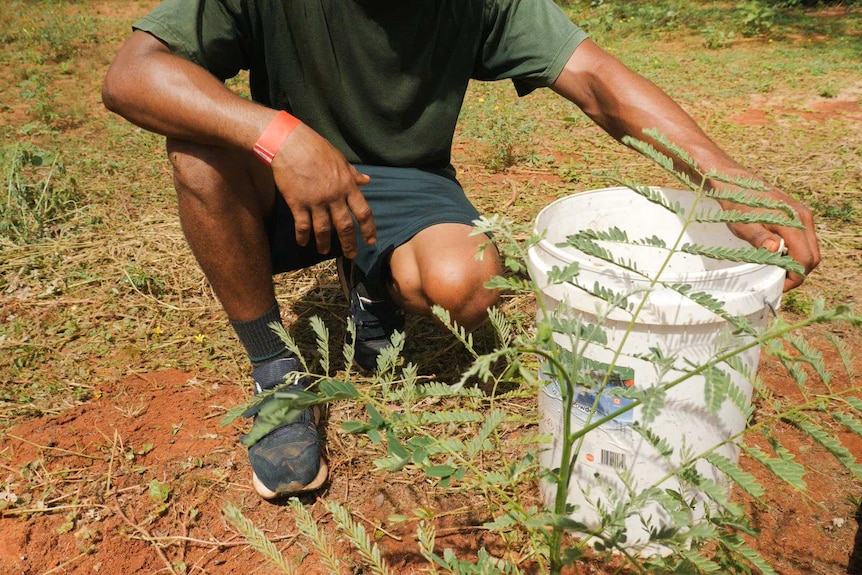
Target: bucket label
613	459
610	400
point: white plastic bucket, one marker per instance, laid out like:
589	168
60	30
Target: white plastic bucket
668	321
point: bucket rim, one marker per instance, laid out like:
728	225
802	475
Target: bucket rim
602	267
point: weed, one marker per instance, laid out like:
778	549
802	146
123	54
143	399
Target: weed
143	281
844	211
503	130
159	492
756	17
38	197
829	91
716	37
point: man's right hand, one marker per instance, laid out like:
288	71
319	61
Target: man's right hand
322	191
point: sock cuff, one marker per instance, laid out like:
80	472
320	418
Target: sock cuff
260	342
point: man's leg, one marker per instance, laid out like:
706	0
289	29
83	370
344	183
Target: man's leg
224	199
438	266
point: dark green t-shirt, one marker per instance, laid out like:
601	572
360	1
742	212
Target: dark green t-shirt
382	80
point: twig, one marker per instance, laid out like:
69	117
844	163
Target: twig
146	534
31	510
111	466
65	563
514	198
377	527
76	453
168	539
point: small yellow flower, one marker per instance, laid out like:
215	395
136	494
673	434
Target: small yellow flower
481	100
158	331
200	338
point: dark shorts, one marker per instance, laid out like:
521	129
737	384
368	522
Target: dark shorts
404	201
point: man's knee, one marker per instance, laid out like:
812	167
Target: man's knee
217	176
195	166
459	287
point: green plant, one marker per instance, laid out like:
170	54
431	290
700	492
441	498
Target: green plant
37	198
717	37
464	443
503	130
757	17
844	211
828	91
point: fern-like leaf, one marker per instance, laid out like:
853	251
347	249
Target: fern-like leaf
289	343
677	150
458	331
256	538
783	466
349	347
854	402
426	535
492	421
742	478
439	389
356	534
740	182
757	560
738	217
502	326
811	356
700	562
308	527
451	416
832	445
737	546
557	275
613	234
660	444
652	241
654	196
849	422
322	335
746	198
652	401
844	352
716	388
748	255
651	152
578	329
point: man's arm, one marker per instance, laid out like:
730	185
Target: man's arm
624	103
166	94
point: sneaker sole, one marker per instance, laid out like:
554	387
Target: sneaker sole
322	473
266	493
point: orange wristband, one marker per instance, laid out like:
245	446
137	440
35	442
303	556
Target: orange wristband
274	136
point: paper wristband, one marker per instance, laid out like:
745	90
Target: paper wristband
274	136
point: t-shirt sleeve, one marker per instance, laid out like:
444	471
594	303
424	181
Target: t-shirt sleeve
210	33
528	41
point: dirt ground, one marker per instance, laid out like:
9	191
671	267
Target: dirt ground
81	488
93	466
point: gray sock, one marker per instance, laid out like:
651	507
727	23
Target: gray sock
261	343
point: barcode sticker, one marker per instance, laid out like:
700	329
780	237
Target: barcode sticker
613	459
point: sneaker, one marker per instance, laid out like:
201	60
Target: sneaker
287	459
374	314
